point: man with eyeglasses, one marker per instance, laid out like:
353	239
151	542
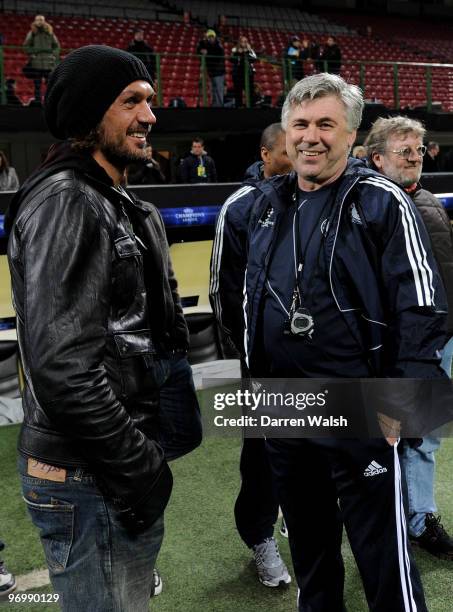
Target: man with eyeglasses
395	148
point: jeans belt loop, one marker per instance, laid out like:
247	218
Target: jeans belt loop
78	474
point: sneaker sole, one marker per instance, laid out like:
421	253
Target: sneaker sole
281	582
11	589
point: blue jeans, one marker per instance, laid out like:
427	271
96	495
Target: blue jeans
217	90
419	468
179	425
95	565
447	356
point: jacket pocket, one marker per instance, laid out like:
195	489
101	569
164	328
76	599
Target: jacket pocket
127	273
125	246
134	359
131	344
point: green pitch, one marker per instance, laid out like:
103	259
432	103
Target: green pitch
204	565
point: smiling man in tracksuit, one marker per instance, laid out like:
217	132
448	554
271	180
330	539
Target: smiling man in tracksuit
342	248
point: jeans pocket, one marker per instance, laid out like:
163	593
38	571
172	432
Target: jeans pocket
55	521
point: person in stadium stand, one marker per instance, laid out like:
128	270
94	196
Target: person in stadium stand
8	175
354	301
431	159
294	61
143	51
242	58
215	65
331	54
395	148
100	326
7	580
256	508
310	50
198	166
43	49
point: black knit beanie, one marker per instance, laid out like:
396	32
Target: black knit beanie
84	85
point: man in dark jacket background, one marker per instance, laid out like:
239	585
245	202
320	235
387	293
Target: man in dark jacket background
274	159
144	52
395	148
431	159
331	55
198	166
215	65
99	323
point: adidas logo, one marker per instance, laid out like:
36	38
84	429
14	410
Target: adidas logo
374	469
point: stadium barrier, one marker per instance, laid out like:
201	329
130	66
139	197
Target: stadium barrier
397	85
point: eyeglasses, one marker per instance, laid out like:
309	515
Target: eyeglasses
406	152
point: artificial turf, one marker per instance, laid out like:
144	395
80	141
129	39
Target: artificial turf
203	563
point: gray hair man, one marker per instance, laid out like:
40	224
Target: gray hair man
395	148
335	286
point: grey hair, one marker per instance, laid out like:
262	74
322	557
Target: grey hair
384	127
325	84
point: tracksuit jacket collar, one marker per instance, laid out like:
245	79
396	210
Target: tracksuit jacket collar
279	189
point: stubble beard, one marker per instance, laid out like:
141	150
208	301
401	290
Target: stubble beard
119	154
406	181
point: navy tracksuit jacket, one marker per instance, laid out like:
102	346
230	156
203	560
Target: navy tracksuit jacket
386	286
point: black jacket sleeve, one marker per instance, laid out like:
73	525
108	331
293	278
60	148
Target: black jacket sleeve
229	264
180	332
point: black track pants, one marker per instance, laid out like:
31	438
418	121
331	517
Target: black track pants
256	508
364	475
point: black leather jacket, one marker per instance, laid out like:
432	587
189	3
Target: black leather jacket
95	306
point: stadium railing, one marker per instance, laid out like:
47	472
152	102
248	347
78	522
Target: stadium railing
184	75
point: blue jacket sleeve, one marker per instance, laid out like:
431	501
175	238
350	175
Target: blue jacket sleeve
414	295
229	263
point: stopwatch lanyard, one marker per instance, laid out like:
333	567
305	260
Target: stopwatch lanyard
299	254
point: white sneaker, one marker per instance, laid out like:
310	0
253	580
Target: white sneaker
7	581
272	570
156	587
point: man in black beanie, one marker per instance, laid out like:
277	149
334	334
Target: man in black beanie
99	322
